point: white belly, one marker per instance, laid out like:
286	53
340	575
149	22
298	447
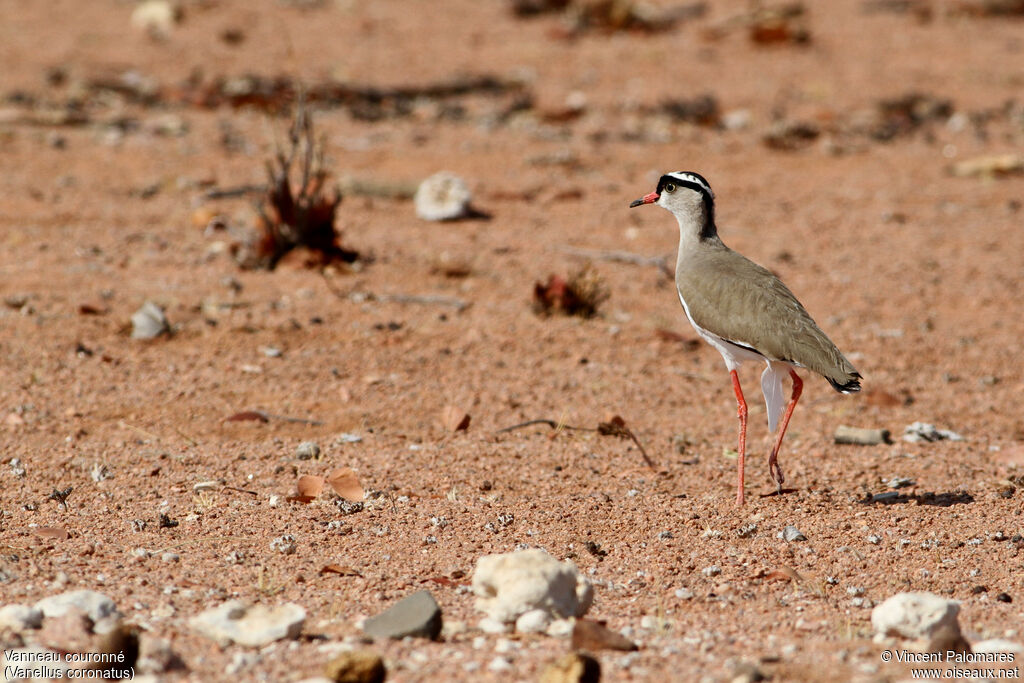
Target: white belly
734	356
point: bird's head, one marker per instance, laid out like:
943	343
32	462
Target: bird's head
680	191
688	196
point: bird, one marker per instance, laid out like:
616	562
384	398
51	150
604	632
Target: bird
745	312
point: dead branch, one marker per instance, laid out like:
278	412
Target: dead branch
616	426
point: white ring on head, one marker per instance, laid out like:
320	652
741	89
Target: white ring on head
691	178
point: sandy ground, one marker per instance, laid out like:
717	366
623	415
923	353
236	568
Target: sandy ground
915	272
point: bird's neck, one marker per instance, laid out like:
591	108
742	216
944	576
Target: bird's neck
696	231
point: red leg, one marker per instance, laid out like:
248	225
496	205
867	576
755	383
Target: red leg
741	412
773	459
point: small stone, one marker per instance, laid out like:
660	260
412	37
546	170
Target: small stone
149	322
684	593
874	539
747	672
1004	597
791	534
534	621
20	617
156	17
561	628
416	615
736	119
442	197
284	544
504	646
494	626
861	437
70	632
747	530
577	667
590	635
713	570
899	482
499	665
253	626
156	656
998	645
922	431
455	419
855	590
308	450
453	628
170	557
359	666
95	605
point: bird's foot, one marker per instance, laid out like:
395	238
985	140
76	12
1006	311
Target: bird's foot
777	476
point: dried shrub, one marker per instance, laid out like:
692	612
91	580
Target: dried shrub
303	218
580	295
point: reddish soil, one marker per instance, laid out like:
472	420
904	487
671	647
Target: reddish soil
913	271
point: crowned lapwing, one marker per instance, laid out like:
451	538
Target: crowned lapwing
745	312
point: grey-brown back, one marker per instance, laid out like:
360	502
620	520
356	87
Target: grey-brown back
735	299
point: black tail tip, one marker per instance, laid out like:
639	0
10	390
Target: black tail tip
851	386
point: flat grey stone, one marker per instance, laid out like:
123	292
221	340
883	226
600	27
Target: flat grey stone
416	615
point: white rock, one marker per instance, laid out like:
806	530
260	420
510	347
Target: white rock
20	617
998	645
510	584
156	655
561	628
149	322
255	626
499	665
96	605
442	197
916	616
922	431
156	17
488	625
534	621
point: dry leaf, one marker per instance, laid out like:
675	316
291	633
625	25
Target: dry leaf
590	635
445	581
455	419
345	483
784	573
305	500
310	486
340	570
881	398
56	533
